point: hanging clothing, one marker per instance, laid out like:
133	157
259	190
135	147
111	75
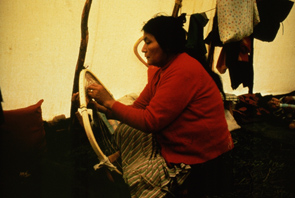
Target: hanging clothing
272	13
195	45
236	57
242	73
236	19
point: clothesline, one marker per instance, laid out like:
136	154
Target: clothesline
202	12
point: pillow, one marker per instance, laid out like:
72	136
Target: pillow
231	122
22	133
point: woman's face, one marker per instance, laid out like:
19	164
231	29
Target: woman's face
153	52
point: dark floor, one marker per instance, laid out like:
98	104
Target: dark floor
264	166
264	162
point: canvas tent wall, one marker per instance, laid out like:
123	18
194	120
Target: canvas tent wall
40	44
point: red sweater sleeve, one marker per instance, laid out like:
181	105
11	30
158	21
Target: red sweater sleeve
176	86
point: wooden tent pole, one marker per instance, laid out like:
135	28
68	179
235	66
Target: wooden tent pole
176	8
82	52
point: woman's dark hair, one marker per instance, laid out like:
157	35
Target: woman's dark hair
168	31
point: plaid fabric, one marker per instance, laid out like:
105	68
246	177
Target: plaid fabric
146	176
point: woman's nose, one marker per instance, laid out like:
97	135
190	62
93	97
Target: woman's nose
143	48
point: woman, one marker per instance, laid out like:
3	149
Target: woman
180	106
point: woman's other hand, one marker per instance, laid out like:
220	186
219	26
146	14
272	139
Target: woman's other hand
100	95
75	99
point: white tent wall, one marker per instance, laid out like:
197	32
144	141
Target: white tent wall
40	42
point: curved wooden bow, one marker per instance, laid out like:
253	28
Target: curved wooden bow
104	161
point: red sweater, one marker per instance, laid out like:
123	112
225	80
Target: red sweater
182	105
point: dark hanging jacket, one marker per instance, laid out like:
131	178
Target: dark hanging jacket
195	45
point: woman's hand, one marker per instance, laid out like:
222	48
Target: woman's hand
75	99
100	95
99	107
93	103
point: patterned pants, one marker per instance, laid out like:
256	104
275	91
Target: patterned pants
147	175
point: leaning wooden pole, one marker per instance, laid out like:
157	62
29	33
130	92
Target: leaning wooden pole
82	52
177	6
